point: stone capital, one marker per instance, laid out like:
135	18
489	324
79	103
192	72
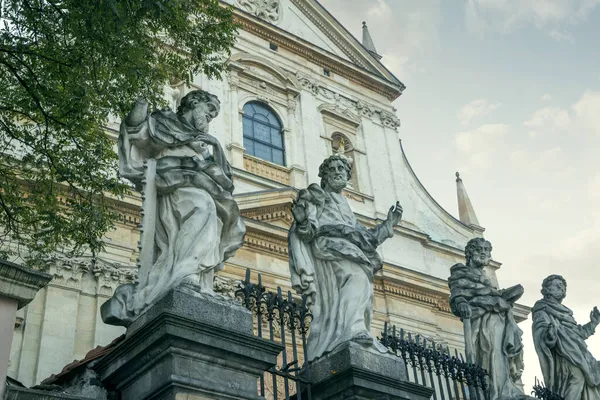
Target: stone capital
20	283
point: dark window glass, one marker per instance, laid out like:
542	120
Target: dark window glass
263	133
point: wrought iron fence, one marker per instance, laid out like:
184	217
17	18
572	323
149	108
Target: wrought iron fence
285	319
434	366
281	318
543	393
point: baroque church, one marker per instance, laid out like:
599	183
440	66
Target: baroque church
299	88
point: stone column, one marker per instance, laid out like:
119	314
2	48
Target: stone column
18	286
295	146
353	371
236	140
189	346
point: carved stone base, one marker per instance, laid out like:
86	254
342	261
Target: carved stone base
191	345
354	372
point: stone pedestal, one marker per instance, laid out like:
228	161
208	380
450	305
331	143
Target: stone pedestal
353	372
189	346
18	286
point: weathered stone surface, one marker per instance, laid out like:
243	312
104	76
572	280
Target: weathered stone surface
191	222
569	369
198	345
18	393
487	314
20	283
18	287
333	259
353	372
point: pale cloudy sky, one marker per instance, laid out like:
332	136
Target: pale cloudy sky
508	93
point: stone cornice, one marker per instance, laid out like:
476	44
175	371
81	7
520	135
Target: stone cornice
332	35
436	299
335	64
271	214
20	283
344	40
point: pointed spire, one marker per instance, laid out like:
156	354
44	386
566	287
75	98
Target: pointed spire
367	42
466	213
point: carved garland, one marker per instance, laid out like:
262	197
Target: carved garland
269	10
69	272
386	118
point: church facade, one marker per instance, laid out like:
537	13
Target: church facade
299	88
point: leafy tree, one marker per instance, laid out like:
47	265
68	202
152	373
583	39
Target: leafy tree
65	66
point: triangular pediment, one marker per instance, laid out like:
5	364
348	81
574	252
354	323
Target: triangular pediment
309	22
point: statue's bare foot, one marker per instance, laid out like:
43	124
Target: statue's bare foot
363	337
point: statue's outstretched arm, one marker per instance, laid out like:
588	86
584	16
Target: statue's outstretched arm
385	230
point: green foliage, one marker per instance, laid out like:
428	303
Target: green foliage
65	66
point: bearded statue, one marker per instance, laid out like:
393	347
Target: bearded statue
196	223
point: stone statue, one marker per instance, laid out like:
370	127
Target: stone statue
491	332
568	367
333	259
196	224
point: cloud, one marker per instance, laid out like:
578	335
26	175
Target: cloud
552	162
479	146
403	32
551	16
561	36
587	111
379	9
547	97
593	188
577	244
475	109
581	117
549	118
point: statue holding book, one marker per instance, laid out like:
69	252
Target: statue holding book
492	336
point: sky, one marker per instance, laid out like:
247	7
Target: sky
508	91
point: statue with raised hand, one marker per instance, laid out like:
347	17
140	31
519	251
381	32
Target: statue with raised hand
492	335
333	259
569	369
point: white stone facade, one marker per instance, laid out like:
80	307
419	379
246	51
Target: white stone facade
321	83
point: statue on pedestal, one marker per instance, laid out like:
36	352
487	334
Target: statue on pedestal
569	369
333	259
191	222
491	333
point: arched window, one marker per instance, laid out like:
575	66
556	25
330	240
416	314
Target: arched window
263	133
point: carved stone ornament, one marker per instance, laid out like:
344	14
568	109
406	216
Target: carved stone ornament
386	118
269	10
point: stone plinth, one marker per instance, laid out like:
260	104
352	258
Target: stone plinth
18	286
18	393
192	345
353	372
